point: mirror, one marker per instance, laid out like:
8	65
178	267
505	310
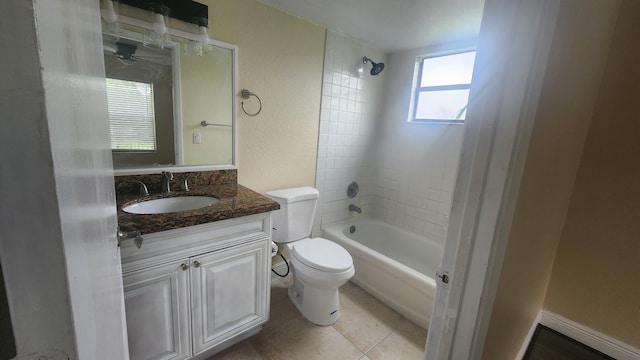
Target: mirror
169	107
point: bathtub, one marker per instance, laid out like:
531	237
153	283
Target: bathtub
392	264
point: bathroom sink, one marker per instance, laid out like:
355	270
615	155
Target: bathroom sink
169	205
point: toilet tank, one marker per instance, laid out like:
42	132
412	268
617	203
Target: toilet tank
295	218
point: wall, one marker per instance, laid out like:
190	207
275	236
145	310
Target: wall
351	106
27	190
575	68
281	60
405	171
57	244
597	271
415	163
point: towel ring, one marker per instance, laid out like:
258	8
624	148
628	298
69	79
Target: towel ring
246	94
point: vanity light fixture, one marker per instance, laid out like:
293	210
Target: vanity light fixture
109	14
108	11
202	33
158	37
160	11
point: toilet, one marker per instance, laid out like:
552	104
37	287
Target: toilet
319	266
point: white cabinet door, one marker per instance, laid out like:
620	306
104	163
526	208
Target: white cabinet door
157	310
230	291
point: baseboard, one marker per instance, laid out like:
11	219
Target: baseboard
280	268
592	338
527	340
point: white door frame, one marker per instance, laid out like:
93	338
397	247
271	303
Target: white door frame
514	45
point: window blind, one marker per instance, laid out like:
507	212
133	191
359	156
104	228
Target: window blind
131	115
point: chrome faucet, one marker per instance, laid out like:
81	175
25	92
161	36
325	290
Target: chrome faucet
165	186
184	186
355	208
143	187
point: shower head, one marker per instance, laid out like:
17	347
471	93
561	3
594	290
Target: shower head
376	67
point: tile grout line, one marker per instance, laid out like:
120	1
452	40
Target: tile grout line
379	342
362	353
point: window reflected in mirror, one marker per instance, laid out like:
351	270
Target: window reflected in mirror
158	98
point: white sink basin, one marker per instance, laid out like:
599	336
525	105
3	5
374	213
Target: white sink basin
169	205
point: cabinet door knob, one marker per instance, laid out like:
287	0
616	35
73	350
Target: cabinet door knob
184	266
196	263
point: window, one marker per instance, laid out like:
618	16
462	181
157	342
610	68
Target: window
442	88
131	116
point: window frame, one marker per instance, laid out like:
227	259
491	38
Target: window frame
417	89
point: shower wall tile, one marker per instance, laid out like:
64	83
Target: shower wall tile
350	111
416	171
406	172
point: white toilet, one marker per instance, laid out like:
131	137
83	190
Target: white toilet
319	266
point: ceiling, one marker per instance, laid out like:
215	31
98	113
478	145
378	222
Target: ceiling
392	25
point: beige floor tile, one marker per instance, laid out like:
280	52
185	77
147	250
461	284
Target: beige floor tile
240	351
281	306
298	338
395	347
364	320
413	333
375	307
287	280
364	357
347	286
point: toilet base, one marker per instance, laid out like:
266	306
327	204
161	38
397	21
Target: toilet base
318	305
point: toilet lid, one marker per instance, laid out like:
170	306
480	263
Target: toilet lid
322	254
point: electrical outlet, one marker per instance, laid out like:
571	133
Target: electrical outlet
196	138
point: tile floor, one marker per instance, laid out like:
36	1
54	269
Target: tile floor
367	330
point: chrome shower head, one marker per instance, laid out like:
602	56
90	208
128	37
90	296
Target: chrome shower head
376	67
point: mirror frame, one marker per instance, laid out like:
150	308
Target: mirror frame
178	108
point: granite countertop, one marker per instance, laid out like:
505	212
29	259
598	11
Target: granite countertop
234	201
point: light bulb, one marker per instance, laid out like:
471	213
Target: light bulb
108	12
203	35
159	25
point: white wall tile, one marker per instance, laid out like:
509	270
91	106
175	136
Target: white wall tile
406	173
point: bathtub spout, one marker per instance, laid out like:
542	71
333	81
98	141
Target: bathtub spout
355	208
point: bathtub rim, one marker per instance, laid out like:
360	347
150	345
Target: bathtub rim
417	275
373	260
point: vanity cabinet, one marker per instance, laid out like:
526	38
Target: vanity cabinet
156	303
191	291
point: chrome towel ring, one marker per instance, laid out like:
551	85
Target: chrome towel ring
246	94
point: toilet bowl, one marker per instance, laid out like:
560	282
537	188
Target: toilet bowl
317	275
319	266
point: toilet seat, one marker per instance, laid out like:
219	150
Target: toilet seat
322	254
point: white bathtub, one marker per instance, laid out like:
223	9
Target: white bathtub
392	264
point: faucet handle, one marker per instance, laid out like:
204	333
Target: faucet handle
184	186
165	185
143	187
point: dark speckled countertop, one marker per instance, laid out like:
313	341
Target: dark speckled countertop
234	201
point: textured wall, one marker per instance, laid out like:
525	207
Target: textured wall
597	270
281	60
576	62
